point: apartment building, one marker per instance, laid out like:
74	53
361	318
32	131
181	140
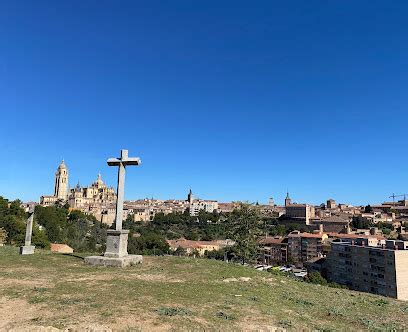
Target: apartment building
305	246
273	250
206	205
365	266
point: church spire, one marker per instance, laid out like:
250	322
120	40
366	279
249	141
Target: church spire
288	200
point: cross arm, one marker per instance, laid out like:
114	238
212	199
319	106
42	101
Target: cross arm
132	161
127	161
114	161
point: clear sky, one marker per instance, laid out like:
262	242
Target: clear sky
237	100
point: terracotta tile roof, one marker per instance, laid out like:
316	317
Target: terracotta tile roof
271	240
355	236
307	235
190	244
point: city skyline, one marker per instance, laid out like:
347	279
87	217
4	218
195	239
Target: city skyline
278	199
235	101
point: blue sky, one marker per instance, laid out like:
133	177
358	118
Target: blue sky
238	100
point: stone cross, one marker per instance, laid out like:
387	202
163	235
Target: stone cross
117	239
28	249
121	162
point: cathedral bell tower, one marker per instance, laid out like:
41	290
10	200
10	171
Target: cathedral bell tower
61	182
190	197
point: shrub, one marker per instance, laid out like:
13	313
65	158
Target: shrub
316	278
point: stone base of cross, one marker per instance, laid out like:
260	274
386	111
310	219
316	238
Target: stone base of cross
27	248
117	240
116	243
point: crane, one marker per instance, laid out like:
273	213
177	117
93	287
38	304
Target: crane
402	195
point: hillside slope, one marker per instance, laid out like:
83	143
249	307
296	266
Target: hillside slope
183	293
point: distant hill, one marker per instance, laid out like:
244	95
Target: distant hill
182	293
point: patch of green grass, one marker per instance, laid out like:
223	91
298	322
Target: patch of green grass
368	323
69	302
40	289
335	312
381	302
36	299
303	302
169	311
224	315
285	323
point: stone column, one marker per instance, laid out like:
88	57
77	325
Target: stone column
120	197
28	249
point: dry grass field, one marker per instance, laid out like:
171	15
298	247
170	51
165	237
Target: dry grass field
171	293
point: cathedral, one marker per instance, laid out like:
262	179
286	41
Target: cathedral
83	198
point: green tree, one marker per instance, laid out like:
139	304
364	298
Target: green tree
368	209
39	238
180	252
220	254
245	227
12	220
15	228
54	220
148	244
360	222
3	236
84	233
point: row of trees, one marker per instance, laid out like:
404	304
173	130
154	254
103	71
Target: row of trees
206	226
52	224
243	225
13	223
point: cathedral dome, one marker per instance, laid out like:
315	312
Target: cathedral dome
99	181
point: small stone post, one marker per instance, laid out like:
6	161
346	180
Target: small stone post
27	248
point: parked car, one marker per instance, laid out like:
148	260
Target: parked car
285	269
301	274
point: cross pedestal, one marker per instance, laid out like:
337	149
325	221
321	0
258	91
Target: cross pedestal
116	243
27	248
117	240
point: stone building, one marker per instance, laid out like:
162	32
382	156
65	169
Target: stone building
334	223
300	212
196	205
60	186
89	199
61	182
288	200
331	204
95	194
201	247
